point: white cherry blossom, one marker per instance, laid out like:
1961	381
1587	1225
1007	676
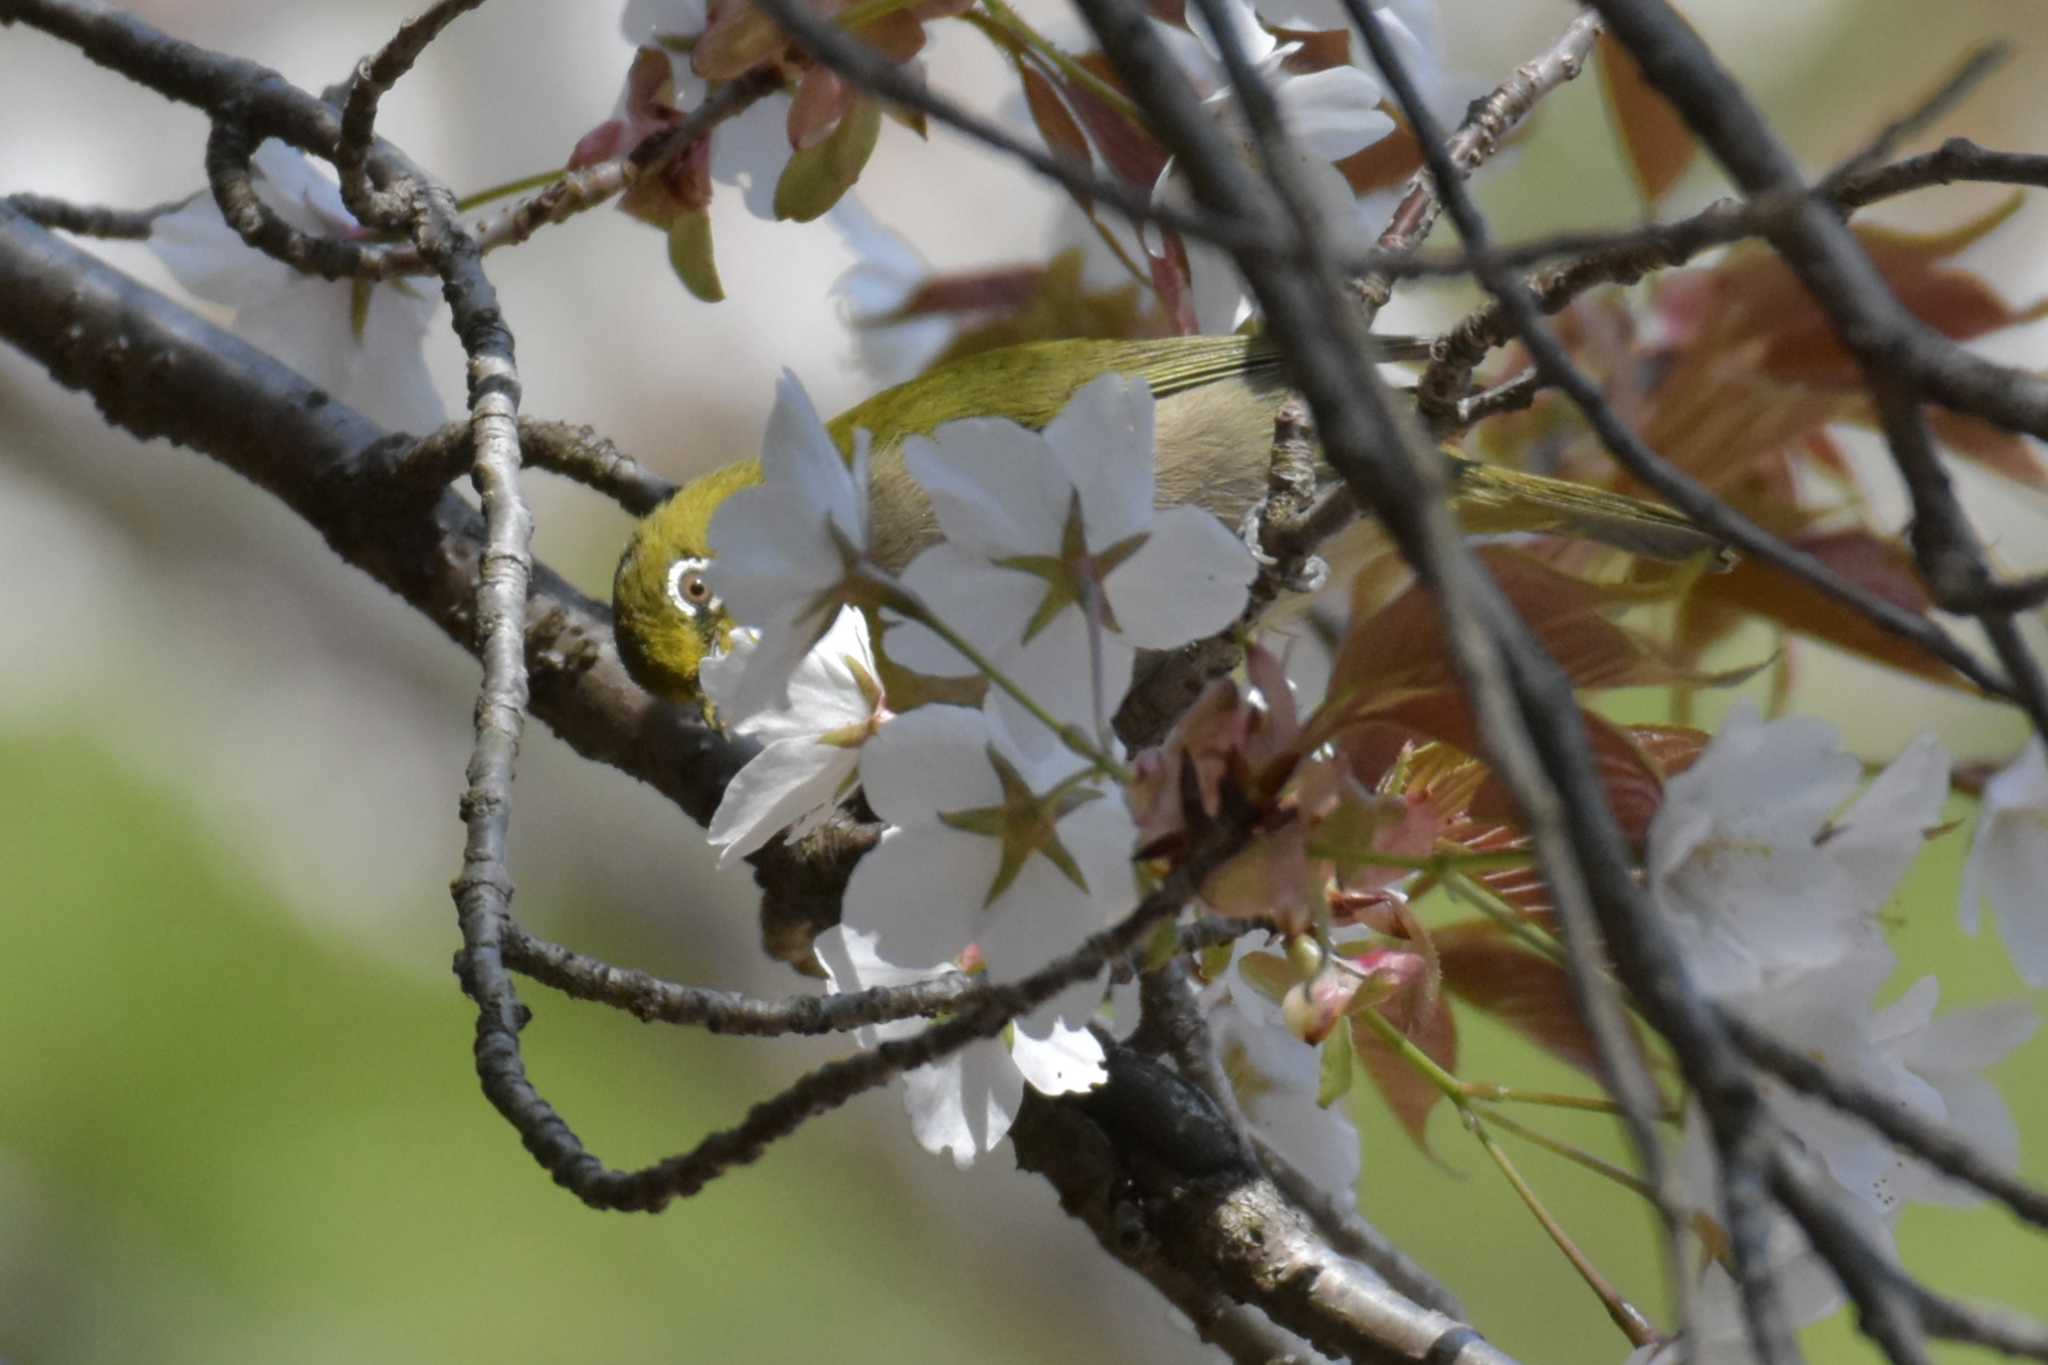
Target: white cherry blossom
1741	857
787	551
884	278
2009	862
1276	1077
1037	524
1019	856
811	747
963	1104
1329	114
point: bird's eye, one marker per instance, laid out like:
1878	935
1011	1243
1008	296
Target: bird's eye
688	590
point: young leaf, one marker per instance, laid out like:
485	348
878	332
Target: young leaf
816	177
1523	989
1409	1093
689	255
1870	560
1658	145
1063	136
1333	1079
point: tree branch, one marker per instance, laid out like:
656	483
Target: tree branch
1903	360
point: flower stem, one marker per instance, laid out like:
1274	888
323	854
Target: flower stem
1486	902
907	603
1015	25
478	198
1625	1315
1576	1155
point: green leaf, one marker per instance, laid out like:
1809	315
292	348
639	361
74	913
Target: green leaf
1334	1080
689	255
816	177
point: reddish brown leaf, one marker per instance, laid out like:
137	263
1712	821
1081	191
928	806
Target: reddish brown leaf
1631	780
1400	649
1881	565
1659	146
1057	305
1130	152
2002	452
1386	163
1673	748
1752	295
1315	49
1407	1092
1524	990
821	100
1000	289
1171	281
1062	134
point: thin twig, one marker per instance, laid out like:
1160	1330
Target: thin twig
1974	69
1484	130
232	178
1641	945
652	1000
374	77
1903	360
573	451
1510	395
1886	1311
93	220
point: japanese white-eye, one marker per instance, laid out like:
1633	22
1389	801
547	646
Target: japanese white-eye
1216	401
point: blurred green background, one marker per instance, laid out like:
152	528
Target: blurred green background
240	1121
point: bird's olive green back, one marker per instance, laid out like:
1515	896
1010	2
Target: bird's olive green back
1029	384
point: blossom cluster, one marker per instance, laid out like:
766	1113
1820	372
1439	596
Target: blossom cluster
1775	890
1007	839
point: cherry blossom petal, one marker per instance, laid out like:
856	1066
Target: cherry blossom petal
1882	833
929	760
1055	669
1188	580
963	1105
1060	1060
1104	440
1333	113
989	607
786	780
992	487
919	893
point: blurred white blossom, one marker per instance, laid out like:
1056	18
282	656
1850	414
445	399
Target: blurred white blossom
359	341
881	281
1741	858
2009	862
1276	1077
1927	1066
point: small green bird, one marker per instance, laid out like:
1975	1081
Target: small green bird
1216	400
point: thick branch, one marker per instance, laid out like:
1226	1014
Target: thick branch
155	369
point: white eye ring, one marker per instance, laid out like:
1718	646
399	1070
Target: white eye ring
687	588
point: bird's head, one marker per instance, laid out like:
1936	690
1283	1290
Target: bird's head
665	615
